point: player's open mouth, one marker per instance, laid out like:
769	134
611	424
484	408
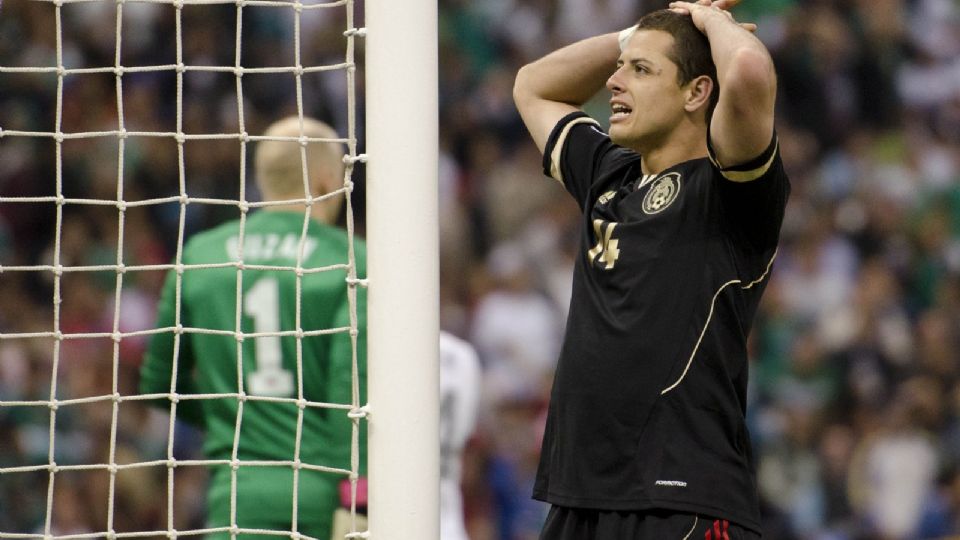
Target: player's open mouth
620	112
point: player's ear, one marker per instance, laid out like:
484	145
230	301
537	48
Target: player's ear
321	181
321	184
698	93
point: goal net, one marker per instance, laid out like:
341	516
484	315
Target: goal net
127	126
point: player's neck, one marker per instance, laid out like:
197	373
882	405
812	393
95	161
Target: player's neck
295	208
687	142
323	211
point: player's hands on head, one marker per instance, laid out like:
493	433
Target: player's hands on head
725	5
702	10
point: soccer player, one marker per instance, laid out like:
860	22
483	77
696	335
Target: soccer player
682	205
266	366
459	406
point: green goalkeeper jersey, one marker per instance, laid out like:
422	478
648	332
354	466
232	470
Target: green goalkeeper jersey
213	363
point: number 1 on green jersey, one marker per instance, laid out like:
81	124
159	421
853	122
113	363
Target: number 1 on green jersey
262	303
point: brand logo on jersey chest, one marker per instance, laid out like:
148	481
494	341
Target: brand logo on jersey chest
663	191
606	197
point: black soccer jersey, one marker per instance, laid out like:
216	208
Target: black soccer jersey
648	401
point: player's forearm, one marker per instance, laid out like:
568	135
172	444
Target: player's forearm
744	66
571	75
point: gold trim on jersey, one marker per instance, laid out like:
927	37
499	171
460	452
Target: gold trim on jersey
555	154
713	304
696	519
645	179
746	176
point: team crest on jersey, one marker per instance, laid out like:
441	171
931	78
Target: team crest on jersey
663	191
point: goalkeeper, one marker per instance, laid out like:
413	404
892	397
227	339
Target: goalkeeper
209	363
682	204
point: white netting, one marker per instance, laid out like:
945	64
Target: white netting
55	54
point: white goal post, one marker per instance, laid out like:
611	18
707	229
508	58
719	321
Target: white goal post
402	225
403	268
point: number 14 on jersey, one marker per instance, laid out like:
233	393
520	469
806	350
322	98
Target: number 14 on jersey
605	251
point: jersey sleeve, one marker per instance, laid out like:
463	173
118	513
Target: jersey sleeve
574	153
754	195
340	380
156	371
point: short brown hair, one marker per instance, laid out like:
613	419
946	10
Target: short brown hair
691	49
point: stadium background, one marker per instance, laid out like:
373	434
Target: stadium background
855	395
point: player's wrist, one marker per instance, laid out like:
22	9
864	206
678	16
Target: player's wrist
715	18
623	38
347	498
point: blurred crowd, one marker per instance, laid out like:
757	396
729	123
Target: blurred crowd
855	383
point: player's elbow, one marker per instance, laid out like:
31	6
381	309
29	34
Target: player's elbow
523	87
751	78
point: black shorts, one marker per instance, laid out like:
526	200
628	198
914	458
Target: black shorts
581	524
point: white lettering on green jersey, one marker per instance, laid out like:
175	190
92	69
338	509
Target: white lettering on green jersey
264	247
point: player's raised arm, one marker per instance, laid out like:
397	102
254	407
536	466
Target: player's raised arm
557	84
742	123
